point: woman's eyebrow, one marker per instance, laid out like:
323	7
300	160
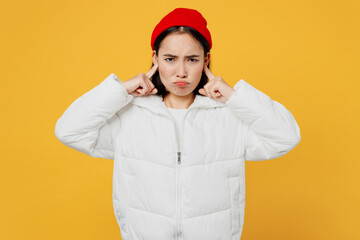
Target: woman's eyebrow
174	56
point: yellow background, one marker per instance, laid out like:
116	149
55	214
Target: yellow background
303	54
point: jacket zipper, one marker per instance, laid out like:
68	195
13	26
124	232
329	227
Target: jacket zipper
178	177
178	198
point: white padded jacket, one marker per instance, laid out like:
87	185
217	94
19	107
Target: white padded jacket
164	189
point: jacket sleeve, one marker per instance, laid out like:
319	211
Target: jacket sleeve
270	129
90	123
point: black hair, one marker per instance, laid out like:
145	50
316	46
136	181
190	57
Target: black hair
182	29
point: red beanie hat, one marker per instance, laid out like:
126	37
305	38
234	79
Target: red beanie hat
182	17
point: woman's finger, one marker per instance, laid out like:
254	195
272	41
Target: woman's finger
153	91
212	92
208	73
151	72
142	88
203	91
209	87
151	85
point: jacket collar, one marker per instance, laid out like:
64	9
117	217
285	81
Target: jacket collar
152	101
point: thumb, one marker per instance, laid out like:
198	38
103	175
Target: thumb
202	91
153	91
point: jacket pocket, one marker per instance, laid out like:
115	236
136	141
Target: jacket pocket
234	184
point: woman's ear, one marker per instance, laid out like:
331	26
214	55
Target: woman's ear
154	57
207	59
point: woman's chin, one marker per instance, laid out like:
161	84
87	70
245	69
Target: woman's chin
181	93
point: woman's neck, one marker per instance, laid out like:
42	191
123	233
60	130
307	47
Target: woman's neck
182	102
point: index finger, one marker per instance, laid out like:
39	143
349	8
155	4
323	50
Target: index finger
208	73
152	71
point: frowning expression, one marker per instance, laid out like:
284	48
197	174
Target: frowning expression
181	63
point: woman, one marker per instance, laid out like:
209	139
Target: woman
179	137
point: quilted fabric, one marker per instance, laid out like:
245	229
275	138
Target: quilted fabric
164	189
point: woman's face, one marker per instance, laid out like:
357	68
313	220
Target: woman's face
180	59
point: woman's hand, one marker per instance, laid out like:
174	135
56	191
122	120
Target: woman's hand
216	88
141	84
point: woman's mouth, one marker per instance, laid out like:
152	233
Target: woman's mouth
181	83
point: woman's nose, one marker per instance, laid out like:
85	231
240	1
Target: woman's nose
181	70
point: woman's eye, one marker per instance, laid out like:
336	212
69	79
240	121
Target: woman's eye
191	59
